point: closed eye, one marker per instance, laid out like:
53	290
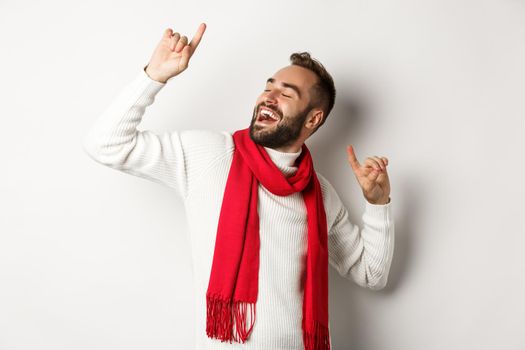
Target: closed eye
282	94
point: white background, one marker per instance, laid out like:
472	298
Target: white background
92	258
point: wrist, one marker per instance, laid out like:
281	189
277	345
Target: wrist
154	76
382	201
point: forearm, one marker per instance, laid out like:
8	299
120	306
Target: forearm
114	132
364	254
378	246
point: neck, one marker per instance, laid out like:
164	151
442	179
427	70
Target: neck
289	149
285	161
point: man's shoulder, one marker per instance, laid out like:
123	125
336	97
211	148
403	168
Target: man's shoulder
330	196
323	180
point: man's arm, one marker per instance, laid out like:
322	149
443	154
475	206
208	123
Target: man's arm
363	255
114	140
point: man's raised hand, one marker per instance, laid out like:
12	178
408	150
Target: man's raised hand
372	177
172	54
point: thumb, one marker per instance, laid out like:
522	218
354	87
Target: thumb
373	175
185	57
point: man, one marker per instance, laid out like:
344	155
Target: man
263	223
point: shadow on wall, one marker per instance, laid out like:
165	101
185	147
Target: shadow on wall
350	327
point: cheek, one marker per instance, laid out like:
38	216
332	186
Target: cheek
289	110
260	99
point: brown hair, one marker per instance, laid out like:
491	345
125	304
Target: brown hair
323	92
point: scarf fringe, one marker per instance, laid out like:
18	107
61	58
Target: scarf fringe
222	314
319	339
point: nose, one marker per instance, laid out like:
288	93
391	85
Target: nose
271	98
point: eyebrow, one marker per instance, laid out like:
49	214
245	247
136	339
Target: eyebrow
291	86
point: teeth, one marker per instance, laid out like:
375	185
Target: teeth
269	114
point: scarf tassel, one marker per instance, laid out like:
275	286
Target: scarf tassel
222	314
318	339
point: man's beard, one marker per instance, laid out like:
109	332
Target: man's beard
285	133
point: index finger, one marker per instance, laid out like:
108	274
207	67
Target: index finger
197	37
352	158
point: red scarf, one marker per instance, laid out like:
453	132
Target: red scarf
233	284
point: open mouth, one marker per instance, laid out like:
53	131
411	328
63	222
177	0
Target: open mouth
267	116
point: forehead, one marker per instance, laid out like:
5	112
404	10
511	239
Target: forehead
302	77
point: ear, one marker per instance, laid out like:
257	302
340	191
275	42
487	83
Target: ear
315	119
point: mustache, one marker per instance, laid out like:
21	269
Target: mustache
269	107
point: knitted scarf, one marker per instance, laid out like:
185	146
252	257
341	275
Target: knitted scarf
233	284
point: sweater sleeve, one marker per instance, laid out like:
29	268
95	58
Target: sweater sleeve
171	158
362	254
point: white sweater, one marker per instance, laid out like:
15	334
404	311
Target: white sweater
195	164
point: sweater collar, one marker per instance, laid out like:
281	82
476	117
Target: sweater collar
284	160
